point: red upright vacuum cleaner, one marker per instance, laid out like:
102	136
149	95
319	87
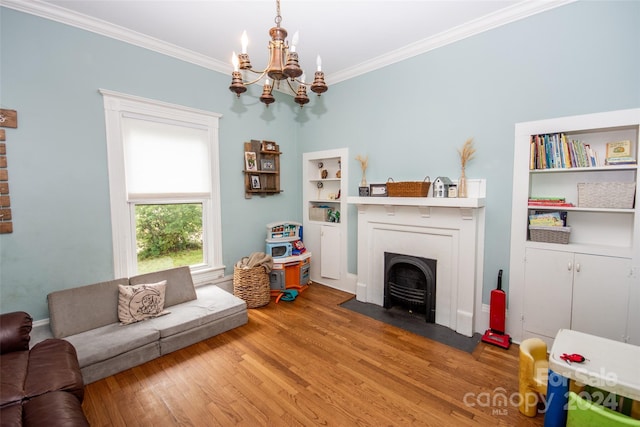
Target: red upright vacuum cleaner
497	310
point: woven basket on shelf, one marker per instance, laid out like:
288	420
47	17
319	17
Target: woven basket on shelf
252	286
612	195
549	234
408	188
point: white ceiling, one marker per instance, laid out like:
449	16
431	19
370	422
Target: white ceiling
352	36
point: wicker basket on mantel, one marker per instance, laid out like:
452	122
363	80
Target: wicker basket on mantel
408	188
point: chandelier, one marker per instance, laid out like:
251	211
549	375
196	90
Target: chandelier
283	66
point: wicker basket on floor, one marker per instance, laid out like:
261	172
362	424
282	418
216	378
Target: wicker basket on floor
252	286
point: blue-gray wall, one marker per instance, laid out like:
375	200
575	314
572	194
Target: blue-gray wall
409	118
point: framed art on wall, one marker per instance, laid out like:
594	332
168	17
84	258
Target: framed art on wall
267	165
255	182
269	146
250	161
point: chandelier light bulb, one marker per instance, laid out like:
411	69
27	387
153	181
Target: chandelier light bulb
234	61
294	42
319	63
244	39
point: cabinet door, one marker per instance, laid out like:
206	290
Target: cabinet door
330	252
601	296
547	291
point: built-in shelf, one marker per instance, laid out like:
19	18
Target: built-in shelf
588	284
325	175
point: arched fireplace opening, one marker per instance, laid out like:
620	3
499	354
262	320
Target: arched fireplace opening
410	282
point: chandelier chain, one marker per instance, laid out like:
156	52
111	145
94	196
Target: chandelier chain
278	18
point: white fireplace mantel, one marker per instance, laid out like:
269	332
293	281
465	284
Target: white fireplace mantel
449	230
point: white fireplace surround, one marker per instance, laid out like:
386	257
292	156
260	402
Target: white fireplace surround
450	231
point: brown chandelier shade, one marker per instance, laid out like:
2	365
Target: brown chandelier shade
283	66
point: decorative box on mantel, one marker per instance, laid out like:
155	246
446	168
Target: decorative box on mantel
448	230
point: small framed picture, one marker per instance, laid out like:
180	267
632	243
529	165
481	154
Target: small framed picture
267	165
363	191
255	182
250	161
379	190
268	146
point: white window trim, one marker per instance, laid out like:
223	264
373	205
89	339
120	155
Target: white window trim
116	105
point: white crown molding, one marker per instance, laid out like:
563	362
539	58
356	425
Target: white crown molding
514	13
505	16
98	26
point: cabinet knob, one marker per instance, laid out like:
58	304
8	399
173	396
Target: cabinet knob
578	267
569	266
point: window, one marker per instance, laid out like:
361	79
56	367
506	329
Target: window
164	187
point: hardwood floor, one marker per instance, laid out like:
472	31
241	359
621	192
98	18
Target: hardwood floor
311	362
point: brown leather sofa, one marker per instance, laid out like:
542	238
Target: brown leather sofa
41	386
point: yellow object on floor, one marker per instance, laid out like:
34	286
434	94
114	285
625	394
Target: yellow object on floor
533	374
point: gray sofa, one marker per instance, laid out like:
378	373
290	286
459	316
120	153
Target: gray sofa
87	317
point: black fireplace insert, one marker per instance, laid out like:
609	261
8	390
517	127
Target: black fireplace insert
410	282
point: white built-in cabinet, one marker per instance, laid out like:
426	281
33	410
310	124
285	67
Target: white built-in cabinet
330	258
324	210
586	284
592	283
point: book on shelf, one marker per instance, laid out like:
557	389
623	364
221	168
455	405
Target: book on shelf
619	153
619	161
548	219
618	149
549	201
555	151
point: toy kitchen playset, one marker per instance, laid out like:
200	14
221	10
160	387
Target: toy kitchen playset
291	261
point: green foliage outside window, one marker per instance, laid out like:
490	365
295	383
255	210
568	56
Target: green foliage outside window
164	229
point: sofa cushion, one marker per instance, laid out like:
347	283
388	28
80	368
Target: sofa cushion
179	284
53	365
55	409
14	331
14	372
141	302
121	362
11	415
109	341
212	304
96	305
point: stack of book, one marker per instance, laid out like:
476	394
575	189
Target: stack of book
619	153
548	219
556	151
549	201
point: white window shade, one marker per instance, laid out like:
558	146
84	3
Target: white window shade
165	158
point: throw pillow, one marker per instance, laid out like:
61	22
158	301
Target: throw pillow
140	302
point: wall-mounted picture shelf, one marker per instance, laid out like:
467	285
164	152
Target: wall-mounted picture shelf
261	168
